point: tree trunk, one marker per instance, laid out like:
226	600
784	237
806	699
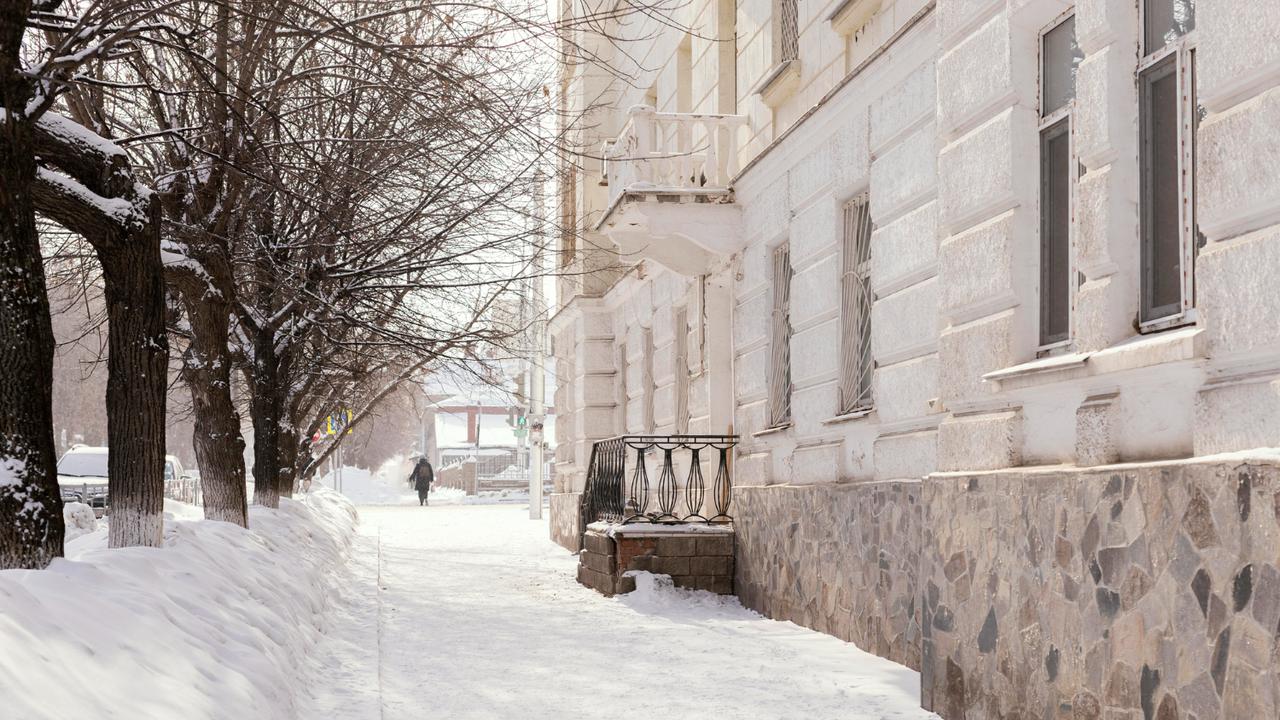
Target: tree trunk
218	443
267	409
288	459
31	528
137	379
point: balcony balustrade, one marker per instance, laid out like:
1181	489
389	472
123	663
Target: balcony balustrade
673	153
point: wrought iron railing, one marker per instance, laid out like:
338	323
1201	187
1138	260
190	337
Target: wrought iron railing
621	486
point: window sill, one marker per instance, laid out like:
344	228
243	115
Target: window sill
852	15
849	416
771	431
1181	344
779	83
1182	319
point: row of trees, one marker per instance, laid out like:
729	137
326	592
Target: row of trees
300	204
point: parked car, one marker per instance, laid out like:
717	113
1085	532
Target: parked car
179	483
82	477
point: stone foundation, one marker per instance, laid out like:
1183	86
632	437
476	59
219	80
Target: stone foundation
699	559
564	519
841	559
1142	593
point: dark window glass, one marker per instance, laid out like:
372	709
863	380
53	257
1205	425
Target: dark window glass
1161	197
1062	56
1165	21
1055	232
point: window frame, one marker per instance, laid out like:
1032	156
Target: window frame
648	380
859	276
1047	123
624	397
1183	49
680	359
780	334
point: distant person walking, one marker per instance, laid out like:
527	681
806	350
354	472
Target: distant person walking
422	477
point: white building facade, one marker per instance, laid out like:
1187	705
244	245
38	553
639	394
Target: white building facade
985	288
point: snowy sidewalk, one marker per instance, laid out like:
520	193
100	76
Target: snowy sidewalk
471	612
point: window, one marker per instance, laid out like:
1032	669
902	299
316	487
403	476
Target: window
1060	56
780	346
680	346
1168	115
649	385
623	397
856	363
786	31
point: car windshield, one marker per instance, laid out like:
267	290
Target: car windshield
83	465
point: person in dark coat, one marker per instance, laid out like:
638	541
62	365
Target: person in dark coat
422	477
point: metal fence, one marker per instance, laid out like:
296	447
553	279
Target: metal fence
97	495
185	490
620	487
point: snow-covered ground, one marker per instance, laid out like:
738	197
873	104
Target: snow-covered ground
216	624
471	612
388	486
450	611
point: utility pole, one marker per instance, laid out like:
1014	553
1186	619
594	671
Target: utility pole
537	372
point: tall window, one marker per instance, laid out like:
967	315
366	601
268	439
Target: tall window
856	363
786	31
780	345
1059	57
649	385
680	347
1168	116
623	397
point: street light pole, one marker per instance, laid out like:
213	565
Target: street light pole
537	373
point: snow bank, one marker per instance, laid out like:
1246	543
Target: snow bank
79	519
216	624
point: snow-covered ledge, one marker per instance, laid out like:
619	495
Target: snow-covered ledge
646	528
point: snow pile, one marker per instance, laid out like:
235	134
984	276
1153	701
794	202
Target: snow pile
79	519
658	594
216	624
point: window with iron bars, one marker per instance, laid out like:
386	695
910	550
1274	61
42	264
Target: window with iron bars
786	44
650	387
623	397
780	347
856	298
681	348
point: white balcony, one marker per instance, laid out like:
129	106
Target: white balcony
670	187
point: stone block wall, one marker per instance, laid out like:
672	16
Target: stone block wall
694	560
564	519
841	559
1135	593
